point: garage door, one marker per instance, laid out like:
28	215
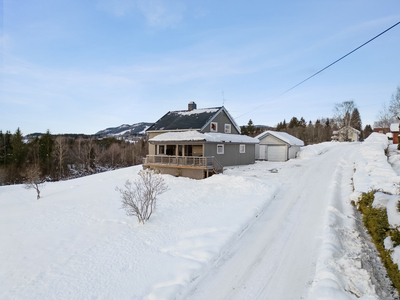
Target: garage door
277	153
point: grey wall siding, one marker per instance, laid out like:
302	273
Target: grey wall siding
221	119
231	156
293	151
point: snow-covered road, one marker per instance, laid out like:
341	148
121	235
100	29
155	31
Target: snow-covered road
276	258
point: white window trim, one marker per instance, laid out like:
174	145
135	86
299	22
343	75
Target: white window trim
228	128
242	148
216	127
220	146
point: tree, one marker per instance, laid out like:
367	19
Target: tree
293	123
34	179
19	149
60	153
250	128
342	113
46	146
355	120
367	131
140	197
394	106
385	118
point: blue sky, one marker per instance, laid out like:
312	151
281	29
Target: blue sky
81	66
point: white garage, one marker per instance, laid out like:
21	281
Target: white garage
277	146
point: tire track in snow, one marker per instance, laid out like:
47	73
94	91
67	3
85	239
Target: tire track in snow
276	258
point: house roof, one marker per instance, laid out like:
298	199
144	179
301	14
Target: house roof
189	119
283	136
211	137
349	128
394	127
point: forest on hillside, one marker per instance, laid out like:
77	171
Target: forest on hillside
57	157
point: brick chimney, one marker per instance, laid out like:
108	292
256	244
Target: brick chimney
192	106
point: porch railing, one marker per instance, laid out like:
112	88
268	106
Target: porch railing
186	161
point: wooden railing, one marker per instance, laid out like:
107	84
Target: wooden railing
186	161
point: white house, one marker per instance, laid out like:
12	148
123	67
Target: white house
277	146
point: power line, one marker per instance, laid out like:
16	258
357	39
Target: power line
324	68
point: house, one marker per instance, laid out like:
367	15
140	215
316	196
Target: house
394	129
277	146
346	134
197	143
382	130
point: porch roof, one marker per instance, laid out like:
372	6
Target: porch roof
210	137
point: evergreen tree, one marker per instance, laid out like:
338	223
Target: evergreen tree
367	131
302	123
356	120
284	125
46	146
19	149
250	127
293	123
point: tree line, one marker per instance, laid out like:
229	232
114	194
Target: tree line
346	114
57	157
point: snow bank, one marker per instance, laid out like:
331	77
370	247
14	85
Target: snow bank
373	172
76	242
317	149
339	274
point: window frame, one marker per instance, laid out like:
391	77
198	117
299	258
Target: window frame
228	128
220	146
216	127
242	148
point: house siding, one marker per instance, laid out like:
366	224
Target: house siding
221	119
231	156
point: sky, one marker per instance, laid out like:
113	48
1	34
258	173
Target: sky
83	66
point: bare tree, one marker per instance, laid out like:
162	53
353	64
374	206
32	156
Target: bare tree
384	117
139	198
394	106
60	153
342	113
34	179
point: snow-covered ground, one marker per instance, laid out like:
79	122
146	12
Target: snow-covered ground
263	231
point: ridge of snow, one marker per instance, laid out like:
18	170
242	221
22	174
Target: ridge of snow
290	139
196	136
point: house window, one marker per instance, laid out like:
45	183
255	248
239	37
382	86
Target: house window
220	149
214	126
171	150
227	128
161	149
242	148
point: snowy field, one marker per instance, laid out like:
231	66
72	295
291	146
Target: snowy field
263	231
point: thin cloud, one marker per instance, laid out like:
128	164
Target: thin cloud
158	14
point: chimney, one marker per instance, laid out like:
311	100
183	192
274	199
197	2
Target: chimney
192	106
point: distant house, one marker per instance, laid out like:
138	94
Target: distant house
277	146
197	143
382	130
394	129
346	134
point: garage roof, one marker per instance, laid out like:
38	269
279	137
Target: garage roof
283	136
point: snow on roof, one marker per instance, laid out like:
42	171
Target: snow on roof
186	136
196	111
349	128
286	137
394	127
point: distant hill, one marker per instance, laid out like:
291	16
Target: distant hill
125	130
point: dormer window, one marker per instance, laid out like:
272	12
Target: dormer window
227	128
214	127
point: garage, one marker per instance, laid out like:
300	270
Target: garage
277	146
277	153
